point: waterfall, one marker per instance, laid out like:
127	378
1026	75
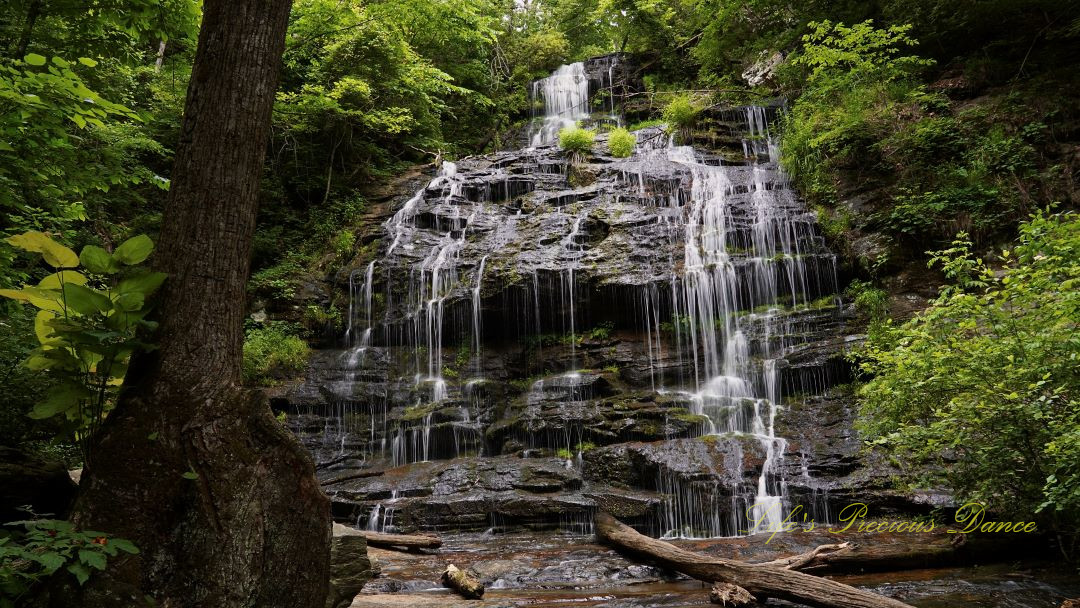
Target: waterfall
566	100
741	255
732	255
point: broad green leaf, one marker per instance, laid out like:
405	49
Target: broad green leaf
97	260
190	475
55	254
121	320
87	62
41	325
55	359
91	558
34	59
60	400
45	299
50	560
124	545
134	250
129	301
54	280
61	62
144	284
80	572
86	301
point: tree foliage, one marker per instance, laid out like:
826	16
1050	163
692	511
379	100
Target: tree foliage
981	391
86	326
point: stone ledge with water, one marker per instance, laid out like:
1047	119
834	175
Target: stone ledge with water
658	335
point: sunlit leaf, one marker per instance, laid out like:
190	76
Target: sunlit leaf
134	250
97	260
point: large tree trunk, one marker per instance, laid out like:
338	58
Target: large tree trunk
759	579
220	498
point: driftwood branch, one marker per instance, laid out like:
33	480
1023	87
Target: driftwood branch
407	541
804	560
760	580
458	580
726	594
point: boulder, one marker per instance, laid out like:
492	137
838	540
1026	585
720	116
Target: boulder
350	566
28	480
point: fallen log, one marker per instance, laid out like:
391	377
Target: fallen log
760	580
726	594
351	476
408	541
819	555
456	579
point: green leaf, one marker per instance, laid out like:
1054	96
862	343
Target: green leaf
45	299
50	560
80	572
144	284
129	301
86	301
56	279
124	545
55	254
60	62
87	62
97	260
134	250
41	325
60	401
34	59
190	475
91	558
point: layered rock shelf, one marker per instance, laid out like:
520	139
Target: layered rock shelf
659	336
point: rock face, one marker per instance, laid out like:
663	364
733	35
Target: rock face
659	336
350	566
30	481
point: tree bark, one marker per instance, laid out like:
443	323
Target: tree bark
762	581
32	14
222	500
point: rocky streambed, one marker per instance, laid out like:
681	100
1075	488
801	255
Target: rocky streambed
544	569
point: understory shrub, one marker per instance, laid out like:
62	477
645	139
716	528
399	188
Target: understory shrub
274	352
979	393
576	141
681	112
47	546
621	143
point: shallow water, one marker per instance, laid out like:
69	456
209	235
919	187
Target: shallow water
553	569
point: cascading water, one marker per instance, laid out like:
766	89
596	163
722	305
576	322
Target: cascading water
744	234
566	100
734	254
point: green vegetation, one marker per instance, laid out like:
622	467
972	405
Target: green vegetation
980	392
873	302
681	112
621	143
48	547
577	142
86	327
601	332
273	353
